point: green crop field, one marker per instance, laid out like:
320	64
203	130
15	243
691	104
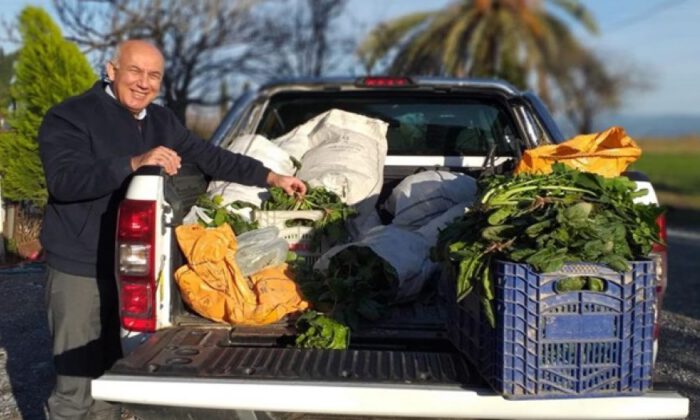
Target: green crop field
673	165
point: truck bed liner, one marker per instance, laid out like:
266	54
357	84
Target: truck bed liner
209	352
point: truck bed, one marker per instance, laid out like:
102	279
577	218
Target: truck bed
203	372
401	366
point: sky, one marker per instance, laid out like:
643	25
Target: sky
658	38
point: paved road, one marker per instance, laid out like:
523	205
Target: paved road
25	369
683	294
678	363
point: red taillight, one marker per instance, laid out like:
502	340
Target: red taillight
661	222
136	233
660	255
374	81
136	219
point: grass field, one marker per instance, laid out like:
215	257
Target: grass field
673	165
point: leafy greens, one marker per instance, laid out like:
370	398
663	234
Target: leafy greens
546	221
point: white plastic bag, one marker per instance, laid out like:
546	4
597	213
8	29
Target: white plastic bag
259	249
419	198
406	251
257	237
195	214
231	191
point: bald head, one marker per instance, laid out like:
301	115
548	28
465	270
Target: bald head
138	45
136	71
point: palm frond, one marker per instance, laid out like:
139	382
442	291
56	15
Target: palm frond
476	42
422	53
388	34
579	12
455	51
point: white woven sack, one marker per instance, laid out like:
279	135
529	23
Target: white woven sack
348	156
420	198
431	231
262	149
298	141
406	251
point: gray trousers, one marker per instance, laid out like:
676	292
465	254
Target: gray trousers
84	325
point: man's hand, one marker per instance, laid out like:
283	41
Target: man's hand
161	156
291	185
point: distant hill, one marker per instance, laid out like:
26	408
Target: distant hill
640	126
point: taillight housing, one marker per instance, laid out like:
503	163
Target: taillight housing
136	233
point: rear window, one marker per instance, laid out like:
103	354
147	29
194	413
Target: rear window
419	123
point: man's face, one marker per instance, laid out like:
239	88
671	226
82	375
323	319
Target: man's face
137	75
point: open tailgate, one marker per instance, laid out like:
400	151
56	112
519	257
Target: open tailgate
205	367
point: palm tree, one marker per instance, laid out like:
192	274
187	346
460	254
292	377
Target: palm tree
517	40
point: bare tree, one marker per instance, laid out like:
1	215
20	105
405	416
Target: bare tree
203	41
591	87
303	39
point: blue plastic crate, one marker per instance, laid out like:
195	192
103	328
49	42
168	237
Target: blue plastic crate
548	344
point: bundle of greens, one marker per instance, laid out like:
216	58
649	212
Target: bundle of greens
546	221
317	331
357	285
335	212
219	213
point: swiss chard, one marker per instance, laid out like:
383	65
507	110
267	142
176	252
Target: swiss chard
221	213
335	212
547	221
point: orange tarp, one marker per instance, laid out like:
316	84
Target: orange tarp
607	153
213	286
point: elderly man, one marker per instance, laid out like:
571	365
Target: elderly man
89	145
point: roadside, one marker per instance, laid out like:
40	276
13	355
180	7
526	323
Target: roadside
685	219
25	357
677	366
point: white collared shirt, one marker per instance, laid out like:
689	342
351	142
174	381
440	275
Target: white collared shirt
141	115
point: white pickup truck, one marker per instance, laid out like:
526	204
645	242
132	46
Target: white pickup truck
180	365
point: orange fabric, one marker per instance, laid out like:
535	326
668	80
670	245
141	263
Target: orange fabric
608	153
214	287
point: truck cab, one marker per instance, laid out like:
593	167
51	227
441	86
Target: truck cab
178	363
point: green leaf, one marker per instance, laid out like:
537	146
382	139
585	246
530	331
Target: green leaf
571	284
537	228
590	181
487	309
578	212
219	217
521	254
616	262
595	284
497	233
315	330
498	216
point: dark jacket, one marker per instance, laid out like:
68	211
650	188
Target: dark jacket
86	144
